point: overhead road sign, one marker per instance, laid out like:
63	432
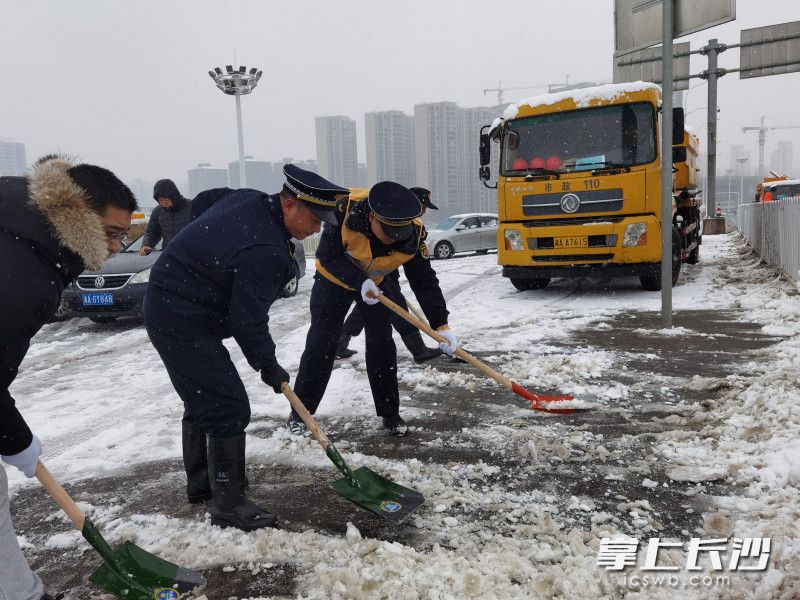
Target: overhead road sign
637	23
645	65
770	50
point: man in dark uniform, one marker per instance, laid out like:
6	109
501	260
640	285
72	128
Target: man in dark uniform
354	323
372	239
218	279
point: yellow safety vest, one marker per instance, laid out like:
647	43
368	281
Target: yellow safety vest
357	248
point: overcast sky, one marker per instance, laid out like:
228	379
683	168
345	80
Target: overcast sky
125	84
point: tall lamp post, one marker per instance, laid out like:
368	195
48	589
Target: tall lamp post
741	162
237	82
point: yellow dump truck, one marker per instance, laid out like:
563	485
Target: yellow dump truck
579	187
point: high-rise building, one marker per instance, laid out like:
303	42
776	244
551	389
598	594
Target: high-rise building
782	160
143	191
337	150
477	197
206	177
390	147
439	156
12	159
259	175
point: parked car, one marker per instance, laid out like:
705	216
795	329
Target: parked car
117	289
474	232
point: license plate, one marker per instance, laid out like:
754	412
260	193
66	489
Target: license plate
571	242
98	299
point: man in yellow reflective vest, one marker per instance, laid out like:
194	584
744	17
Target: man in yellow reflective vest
374	237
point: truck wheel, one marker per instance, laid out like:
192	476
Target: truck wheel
652	283
524	285
443	250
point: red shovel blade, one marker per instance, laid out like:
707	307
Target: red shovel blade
536	400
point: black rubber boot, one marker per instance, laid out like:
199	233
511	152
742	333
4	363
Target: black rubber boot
195	460
342	351
395	425
229	506
417	347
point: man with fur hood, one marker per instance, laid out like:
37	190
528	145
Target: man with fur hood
172	214
60	220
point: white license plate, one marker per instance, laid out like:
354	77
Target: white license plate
98	299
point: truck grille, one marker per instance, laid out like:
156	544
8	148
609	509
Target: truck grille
537	205
107	282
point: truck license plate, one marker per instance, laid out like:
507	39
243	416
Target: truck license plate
571	242
98	299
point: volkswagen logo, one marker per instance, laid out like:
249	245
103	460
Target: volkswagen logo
570	203
101	281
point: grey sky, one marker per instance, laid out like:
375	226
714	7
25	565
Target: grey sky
125	84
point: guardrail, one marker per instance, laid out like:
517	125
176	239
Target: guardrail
773	230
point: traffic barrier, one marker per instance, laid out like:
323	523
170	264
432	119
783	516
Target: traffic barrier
773	230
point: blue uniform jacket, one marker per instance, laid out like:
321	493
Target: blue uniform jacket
224	270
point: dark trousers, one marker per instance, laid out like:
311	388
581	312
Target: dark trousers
329	305
354	323
199	366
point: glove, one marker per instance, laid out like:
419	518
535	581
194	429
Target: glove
369	286
274	375
451	345
26	460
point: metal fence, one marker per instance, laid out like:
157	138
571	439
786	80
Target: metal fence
773	230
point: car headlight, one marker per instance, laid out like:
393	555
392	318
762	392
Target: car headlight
635	235
513	239
141	277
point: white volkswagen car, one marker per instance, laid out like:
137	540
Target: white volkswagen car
474	232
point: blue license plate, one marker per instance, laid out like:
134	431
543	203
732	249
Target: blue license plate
98	299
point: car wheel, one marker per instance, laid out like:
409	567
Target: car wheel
103	319
525	284
290	289
443	250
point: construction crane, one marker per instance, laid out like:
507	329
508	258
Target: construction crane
762	139
500	89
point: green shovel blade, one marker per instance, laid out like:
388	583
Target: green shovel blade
134	574
380	495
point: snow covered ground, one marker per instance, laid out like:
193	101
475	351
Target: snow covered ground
691	432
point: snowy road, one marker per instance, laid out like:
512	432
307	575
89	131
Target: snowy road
694	434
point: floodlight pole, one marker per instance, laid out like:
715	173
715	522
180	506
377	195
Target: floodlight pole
242	170
237	82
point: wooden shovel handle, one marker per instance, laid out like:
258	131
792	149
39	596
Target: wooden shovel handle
309	421
61	497
462	354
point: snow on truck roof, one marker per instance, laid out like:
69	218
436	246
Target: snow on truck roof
780	182
582	97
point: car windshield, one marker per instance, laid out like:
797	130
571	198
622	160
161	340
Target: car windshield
137	245
446	224
781	192
580	140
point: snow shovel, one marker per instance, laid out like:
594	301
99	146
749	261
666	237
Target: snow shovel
362	486
128	572
536	401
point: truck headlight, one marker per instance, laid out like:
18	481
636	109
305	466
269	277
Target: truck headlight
513	239
141	277
635	235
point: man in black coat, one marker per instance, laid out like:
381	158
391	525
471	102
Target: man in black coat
218	279
60	220
173	213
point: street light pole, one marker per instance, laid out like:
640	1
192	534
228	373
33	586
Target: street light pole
741	162
237	82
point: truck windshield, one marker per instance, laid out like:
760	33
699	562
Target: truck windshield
580	140
781	192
